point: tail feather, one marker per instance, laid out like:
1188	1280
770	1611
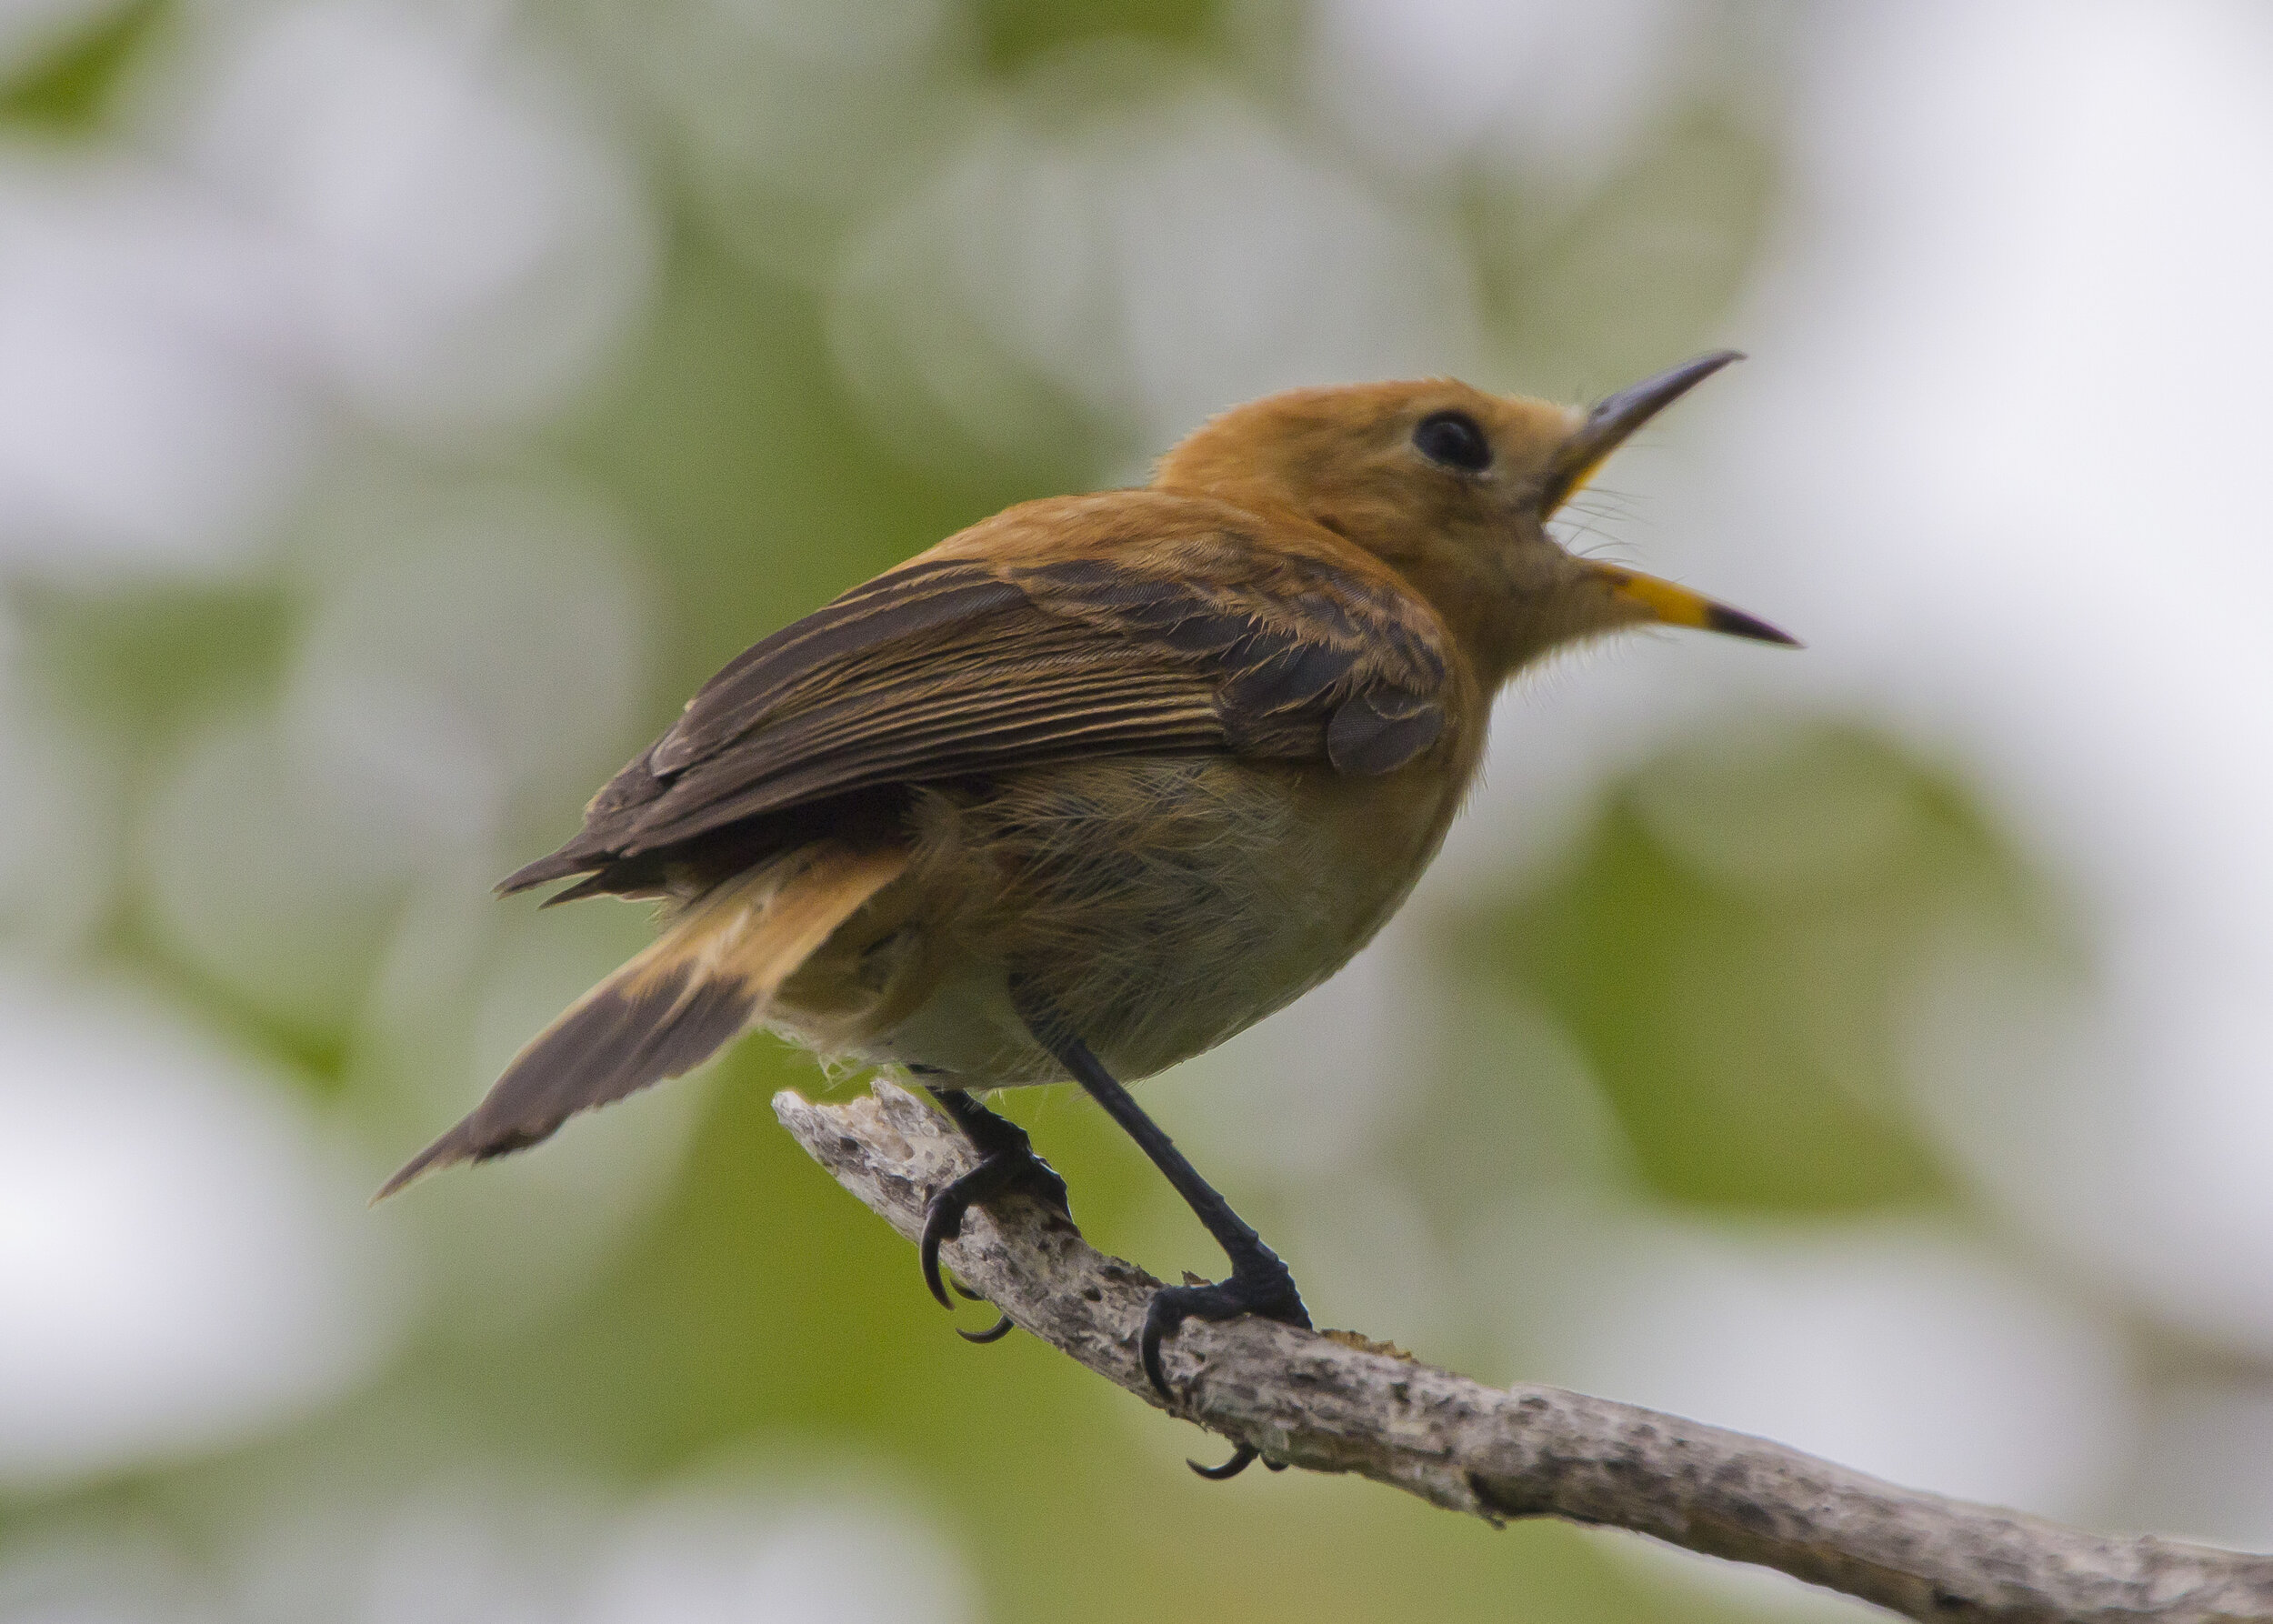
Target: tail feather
558	865
709	975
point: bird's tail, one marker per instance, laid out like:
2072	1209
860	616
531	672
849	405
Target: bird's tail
710	975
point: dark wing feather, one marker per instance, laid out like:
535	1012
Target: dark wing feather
956	666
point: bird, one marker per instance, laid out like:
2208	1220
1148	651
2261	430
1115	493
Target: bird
1092	785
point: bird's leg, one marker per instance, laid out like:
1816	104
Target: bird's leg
1007	1162
1259	1283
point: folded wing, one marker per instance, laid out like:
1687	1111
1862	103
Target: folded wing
1135	623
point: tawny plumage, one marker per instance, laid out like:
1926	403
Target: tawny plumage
1098	782
717	968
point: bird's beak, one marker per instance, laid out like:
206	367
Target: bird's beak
1607	426
1668	605
1614	421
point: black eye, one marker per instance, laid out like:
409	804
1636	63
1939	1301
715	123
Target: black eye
1453	439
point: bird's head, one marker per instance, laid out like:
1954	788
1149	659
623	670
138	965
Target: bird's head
1453	488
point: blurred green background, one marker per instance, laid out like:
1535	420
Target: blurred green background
408	403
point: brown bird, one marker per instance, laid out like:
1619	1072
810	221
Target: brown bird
1097	783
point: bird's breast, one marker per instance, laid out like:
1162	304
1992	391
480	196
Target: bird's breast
1160	904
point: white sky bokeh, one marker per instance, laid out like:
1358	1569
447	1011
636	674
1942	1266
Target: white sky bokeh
1901	1348
466	652
467	241
777	1541
150	417
388	212
1149	246
823	1556
1553	89
316	224
2005	458
184	1258
795	118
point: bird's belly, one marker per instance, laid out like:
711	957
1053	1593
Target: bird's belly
1159	904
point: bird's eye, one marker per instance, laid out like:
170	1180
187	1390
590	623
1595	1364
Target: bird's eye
1453	439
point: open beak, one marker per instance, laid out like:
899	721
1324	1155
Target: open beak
1613	421
1668	605
1609	427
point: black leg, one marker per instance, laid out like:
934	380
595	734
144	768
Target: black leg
1007	1162
1259	1283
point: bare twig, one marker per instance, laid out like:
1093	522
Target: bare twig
1339	1404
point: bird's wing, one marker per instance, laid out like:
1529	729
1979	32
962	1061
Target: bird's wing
1194	633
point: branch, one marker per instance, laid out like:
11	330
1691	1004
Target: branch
1337	1403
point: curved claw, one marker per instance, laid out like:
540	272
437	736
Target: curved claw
1245	1455
1271	1296
1162	1315
942	1222
1002	1329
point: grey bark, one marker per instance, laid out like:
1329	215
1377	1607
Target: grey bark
1338	1403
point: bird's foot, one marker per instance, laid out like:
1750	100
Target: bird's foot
1259	1284
1010	1167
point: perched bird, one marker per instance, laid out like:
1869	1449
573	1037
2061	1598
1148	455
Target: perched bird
1095	784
